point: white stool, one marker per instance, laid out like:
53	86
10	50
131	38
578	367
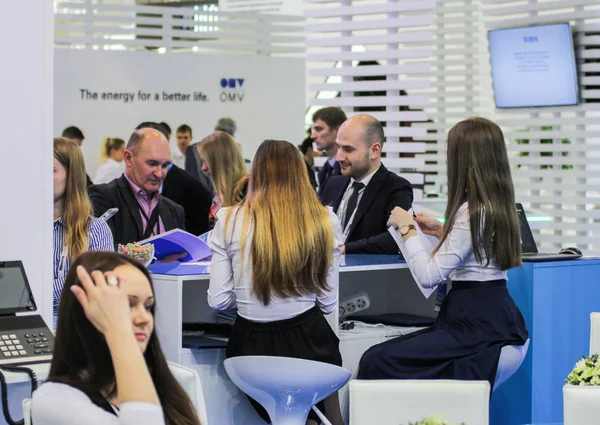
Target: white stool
511	358
286	387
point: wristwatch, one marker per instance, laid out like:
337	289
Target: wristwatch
407	228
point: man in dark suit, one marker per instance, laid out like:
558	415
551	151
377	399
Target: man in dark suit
366	193
180	187
326	122
143	212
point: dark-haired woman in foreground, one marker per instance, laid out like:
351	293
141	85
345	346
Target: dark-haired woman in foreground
107	365
478	243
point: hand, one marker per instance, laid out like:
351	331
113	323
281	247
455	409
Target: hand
429	225
399	218
173	258
343	249
106	306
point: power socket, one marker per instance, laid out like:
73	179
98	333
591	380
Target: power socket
358	302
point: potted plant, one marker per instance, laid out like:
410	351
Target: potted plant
581	394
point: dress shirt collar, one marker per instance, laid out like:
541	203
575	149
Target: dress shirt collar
140	192
366	180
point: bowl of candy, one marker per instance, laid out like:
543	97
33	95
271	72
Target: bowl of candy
142	253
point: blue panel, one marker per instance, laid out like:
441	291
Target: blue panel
556	299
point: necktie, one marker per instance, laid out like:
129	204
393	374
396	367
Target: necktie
356	187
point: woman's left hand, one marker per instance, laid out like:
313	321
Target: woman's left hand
399	218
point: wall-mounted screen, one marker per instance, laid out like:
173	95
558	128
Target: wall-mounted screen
533	66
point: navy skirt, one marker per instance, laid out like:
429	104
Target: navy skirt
307	336
475	321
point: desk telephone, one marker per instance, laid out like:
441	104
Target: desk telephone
23	339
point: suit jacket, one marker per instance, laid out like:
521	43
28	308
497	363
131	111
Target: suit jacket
385	191
193	165
126	225
183	189
324	175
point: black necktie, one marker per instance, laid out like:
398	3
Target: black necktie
356	187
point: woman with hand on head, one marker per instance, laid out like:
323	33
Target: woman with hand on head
275	259
76	230
478	243
107	365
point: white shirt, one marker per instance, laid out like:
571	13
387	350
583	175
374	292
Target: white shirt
61	404
341	212
231	282
177	157
454	259
109	171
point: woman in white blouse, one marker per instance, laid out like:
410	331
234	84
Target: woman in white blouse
111	155
107	365
478	243
275	259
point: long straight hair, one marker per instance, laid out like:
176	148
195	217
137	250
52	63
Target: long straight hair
226	164
81	358
77	205
479	174
292	237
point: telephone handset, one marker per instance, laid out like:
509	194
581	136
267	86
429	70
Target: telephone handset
4	390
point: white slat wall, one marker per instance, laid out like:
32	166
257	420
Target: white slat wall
560	179
396	34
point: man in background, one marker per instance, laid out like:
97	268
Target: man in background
326	122
76	135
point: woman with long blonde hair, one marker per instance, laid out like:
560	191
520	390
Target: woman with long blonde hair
76	230
275	259
223	162
111	158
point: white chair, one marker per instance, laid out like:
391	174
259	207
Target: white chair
581	405
594	333
511	359
286	387
398	402
190	382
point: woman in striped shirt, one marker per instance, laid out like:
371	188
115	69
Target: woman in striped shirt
76	230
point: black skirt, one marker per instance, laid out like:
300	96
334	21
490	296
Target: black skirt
475	321
307	336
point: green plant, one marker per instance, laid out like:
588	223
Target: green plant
547	154
586	371
433	420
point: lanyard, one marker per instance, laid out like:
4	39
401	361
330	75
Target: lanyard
349	225
151	223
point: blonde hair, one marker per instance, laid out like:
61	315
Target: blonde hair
227	168
292	240
109	144
78	207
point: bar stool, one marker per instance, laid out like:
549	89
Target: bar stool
286	387
511	358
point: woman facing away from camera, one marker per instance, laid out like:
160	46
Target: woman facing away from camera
223	162
275	259
478	243
107	365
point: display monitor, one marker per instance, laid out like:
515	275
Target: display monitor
15	293
533	66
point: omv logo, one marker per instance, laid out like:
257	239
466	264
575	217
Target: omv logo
232	83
